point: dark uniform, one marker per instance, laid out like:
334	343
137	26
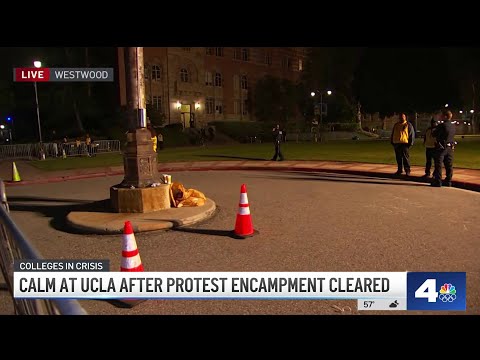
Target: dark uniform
445	135
277	140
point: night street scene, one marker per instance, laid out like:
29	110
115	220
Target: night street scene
241	161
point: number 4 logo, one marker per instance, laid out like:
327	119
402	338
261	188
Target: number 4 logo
428	290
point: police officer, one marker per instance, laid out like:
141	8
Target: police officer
277	140
445	145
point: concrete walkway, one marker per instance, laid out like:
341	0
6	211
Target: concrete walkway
462	178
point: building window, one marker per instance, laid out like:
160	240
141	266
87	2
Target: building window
237	54
300	64
219	51
218	79
209	105
245	107
208	78
186	49
156	73
184	76
268	58
236	107
218	107
244	82
287	63
209	50
157	102
245	54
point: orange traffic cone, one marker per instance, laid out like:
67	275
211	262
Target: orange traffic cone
130	256
243	224
130	262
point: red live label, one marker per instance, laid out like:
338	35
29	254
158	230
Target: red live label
32	74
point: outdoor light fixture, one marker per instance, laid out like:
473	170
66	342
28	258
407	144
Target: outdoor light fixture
37	64
471	111
197	106
461	112
2	126
446	105
312	93
329	92
179	105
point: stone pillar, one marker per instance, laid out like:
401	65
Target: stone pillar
140	161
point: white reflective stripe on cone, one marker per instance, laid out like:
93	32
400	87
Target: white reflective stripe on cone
129	242
244	211
131	262
243	198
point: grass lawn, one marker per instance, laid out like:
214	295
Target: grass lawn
467	154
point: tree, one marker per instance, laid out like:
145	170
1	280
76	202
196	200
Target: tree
157	118
275	100
332	69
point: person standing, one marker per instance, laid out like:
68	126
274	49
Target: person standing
160	141
402	138
429	143
88	143
277	140
445	145
153	137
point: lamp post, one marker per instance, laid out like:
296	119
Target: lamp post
473	120
328	92
38	64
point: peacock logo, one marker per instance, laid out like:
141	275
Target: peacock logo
447	293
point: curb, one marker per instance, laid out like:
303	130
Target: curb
63	178
455	183
115	227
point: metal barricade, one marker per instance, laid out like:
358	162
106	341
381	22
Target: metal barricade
15	246
53	150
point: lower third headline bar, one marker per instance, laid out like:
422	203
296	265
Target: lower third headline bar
210	285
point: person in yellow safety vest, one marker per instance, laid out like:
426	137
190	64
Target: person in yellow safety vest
153	137
429	143
402	138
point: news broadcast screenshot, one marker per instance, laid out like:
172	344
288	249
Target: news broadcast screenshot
239	181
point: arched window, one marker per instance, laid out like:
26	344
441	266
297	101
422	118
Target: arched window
244	82
156	73
218	79
184	75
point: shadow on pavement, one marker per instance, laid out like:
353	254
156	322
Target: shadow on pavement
226	233
58	212
337	178
44	199
233	157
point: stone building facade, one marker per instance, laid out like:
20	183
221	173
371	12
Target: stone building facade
196	85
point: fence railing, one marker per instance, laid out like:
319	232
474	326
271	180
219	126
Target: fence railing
15	246
53	150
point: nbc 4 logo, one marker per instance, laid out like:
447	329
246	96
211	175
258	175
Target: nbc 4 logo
436	291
